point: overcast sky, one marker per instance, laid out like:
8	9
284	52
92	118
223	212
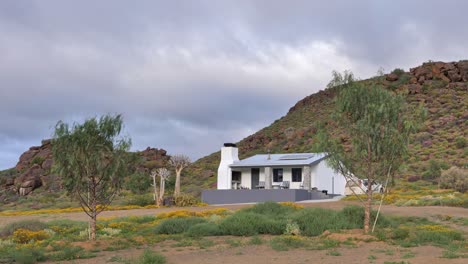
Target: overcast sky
190	75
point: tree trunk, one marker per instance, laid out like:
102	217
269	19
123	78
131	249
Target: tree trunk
162	187
367	210
93	220
177	183
156	198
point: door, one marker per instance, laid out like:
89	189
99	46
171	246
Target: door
255	172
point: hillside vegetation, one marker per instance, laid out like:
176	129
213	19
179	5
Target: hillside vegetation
441	142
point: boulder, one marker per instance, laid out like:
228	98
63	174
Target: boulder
463	68
414	88
29	179
454	75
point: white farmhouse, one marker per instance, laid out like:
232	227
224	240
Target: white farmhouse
274	177
278	171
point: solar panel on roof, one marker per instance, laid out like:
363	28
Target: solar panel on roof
296	157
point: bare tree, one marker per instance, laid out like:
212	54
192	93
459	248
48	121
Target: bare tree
154	174
178	162
163	174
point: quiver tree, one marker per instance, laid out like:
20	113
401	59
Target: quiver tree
373	118
163	174
92	162
178	162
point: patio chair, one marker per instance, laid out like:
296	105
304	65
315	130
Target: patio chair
261	185
284	185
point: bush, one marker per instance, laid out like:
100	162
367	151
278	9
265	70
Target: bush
67	227
204	229
37	160
398	72
433	171
141	200
27	255
435	234
314	221
185	200
138	183
460	142
32	225
455	178
248	223
177	225
23	236
70	253
150	257
284	243
271	209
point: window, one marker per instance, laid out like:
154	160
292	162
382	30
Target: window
296	174
278	175
236	176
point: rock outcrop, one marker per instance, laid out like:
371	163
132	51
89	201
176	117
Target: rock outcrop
34	168
448	72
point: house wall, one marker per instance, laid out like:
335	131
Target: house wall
323	176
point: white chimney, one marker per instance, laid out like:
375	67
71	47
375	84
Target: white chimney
229	155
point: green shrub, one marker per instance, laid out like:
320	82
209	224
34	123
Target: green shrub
70	253
433	171
151	257
284	243
247	224
33	225
455	178
271	209
185	200
460	142
67	227
314	221
138	183
140	199
177	225
438	238
204	229
354	217
398	72
25	255
400	233
37	160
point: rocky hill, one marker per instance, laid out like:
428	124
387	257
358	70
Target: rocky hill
442	88
34	170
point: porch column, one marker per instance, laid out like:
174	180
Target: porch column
306	176
268	177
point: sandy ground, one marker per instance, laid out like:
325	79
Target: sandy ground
221	252
363	252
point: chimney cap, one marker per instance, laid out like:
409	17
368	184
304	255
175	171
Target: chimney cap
230	145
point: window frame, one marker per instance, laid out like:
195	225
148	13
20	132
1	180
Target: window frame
292	175
277	175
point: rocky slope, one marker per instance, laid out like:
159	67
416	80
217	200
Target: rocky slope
34	170
442	88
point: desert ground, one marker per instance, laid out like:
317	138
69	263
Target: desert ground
222	250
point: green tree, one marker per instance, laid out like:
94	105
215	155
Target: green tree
92	161
373	119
